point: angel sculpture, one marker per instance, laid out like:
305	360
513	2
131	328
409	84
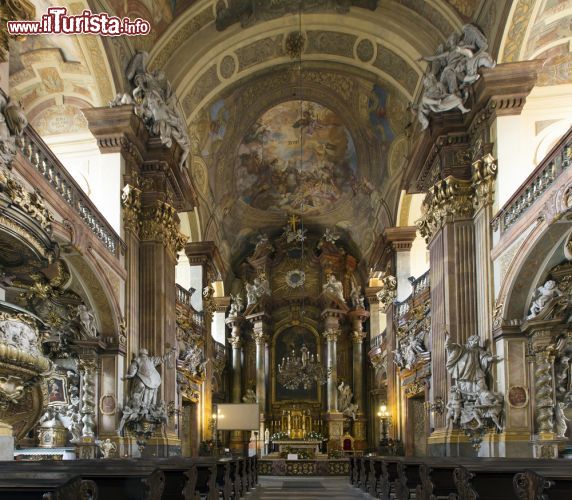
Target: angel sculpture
561	419
236	305
544	294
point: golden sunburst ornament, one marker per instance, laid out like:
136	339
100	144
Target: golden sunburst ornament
295	278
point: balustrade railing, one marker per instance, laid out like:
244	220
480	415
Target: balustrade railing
377	341
419	285
184	297
536	184
35	150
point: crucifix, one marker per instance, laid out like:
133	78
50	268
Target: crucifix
293	220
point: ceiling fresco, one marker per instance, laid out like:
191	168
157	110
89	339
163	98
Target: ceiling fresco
297	157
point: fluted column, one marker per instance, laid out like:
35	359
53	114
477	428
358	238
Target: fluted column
447	225
357	318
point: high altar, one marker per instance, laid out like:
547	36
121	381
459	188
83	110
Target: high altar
304	315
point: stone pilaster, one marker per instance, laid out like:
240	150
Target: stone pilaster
401	240
260	333
484	175
358	336
447	225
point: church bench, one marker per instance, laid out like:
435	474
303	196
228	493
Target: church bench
46	486
436	480
223	482
389	476
374	476
353	478
364	472
553	484
407	478
134	480
253	471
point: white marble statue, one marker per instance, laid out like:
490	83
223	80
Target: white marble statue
156	104
249	397
469	365
489	404
19	335
560	419
194	360
107	447
451	70
145	379
334	287
357	298
236	305
257	289
345	405
87	321
12	124
454	407
543	296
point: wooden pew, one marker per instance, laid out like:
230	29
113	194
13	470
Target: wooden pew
553	484
364	472
130	479
46	486
436	480
374	476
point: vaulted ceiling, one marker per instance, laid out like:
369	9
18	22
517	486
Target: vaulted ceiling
230	63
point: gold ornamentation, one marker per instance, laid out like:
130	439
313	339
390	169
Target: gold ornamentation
131	203
30	202
160	223
484	175
13	10
388	292
234	342
358	336
332	334
417	387
259	337
448	199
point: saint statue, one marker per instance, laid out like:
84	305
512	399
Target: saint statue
468	364
145	379
334	287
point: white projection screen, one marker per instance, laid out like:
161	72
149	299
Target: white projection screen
238	417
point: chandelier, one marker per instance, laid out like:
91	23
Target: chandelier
301	369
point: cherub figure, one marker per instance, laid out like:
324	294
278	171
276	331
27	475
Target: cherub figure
544	294
454	406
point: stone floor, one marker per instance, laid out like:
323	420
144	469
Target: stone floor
305	488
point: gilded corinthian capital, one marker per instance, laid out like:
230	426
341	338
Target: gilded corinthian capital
13	10
448	199
159	222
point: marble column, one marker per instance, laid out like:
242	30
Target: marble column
235	342
447	226
359	425
332	331
542	335
260	335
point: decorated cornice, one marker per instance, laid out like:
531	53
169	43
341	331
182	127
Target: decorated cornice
159	222
13	10
131	203
447	200
484	175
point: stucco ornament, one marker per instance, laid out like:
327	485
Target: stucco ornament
472	405
451	71
12	123
87	321
357	298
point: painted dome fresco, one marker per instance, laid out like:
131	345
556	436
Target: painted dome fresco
297	157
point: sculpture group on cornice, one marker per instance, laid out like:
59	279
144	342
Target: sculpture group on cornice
12	123
452	70
472	405
345	405
334	287
156	104
259	288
